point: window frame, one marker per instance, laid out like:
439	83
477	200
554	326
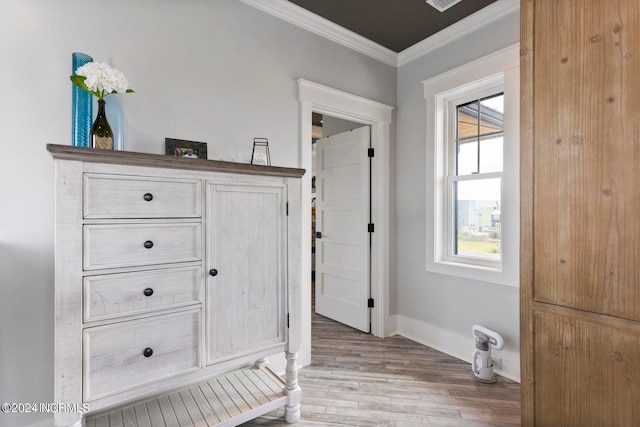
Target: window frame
492	74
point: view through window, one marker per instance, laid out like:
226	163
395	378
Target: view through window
476	185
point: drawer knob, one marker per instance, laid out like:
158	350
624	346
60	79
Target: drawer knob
148	197
148	292
213	272
147	352
148	244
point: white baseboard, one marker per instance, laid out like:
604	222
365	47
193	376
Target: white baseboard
506	361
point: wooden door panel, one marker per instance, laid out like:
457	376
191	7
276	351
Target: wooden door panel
586	374
246	299
587	148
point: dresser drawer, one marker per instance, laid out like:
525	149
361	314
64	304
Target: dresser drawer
126	245
128	354
117	196
114	295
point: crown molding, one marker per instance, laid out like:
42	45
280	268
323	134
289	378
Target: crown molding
309	21
302	18
482	18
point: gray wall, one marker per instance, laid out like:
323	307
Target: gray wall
444	304
216	71
332	126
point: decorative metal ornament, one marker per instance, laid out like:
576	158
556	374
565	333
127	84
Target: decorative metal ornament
260	154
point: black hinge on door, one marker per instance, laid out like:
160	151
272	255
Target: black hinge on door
370	152
287	320
370	228
370	303
287	208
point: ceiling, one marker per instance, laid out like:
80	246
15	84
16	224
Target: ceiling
394	24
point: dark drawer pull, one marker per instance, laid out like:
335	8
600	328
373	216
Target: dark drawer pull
213	272
148	244
318	234
148	292
147	352
148	197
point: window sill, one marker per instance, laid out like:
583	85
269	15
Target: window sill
496	276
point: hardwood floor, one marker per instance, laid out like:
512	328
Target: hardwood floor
356	379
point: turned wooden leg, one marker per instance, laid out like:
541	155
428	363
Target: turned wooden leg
292	390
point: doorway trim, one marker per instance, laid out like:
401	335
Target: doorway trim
314	97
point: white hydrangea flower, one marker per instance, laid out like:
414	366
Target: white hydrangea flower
103	79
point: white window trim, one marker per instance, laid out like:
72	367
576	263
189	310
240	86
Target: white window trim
501	71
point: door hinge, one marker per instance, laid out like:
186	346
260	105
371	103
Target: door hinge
370	227
370	152
287	208
287	320
370	303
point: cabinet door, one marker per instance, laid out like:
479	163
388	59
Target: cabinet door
246	226
586	371
586	198
580	275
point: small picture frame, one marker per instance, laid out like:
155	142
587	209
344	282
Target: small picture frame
187	149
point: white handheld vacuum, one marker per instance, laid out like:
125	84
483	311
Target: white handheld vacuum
481	363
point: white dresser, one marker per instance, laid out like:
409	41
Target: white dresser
170	273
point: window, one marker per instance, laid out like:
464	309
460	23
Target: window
475	180
473	193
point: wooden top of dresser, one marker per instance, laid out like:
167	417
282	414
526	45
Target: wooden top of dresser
83	154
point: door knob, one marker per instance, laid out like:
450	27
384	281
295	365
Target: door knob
213	272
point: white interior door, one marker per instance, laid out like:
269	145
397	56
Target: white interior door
342	220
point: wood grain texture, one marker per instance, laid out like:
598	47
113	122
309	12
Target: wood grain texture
114	354
587	130
246	299
593	371
163	161
117	196
580	279
124	245
68	289
526	208
356	379
224	401
111	295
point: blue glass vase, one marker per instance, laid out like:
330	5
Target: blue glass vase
82	106
116	120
